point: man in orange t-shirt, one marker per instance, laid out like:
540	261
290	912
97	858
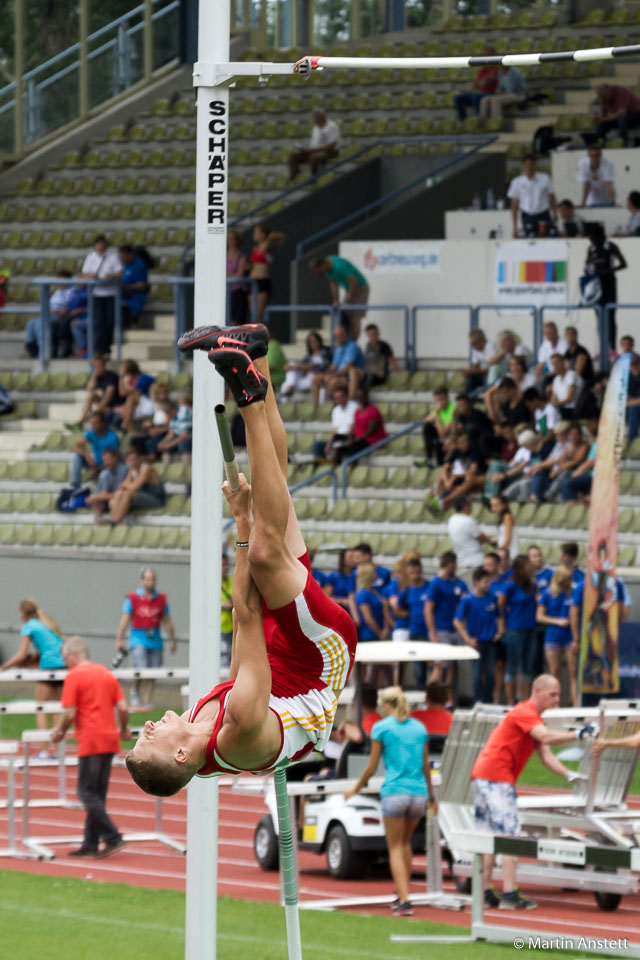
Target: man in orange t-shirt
436	718
498	766
89	695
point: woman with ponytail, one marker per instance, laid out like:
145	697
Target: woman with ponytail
403	745
46	636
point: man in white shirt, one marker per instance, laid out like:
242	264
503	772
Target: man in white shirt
482	350
597	177
466	538
552	343
102	264
532	194
324	145
343	418
565	388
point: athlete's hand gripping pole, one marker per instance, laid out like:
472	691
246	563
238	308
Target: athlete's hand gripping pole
228	453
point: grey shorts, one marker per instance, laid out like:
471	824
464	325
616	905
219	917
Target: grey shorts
143	500
143	659
403	805
495	807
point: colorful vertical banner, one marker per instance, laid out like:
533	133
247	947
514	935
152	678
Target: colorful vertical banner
599	660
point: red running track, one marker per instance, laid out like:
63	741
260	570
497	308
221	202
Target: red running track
151	864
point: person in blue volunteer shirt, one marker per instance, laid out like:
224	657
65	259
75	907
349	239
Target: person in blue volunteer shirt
569	558
518	610
543	576
88	450
363	553
338	582
46	636
346	368
391	592
476	621
146	610
443	596
412	605
403	745
135	284
371	610
553	613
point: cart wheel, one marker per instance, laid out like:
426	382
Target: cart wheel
265	844
607	901
463	884
341	861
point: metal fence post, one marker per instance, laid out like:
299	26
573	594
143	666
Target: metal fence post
603	313
90	330
45	339
178	303
117	329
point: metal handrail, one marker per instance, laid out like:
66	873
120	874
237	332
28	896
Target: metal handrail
310	481
374	446
301	308
602	314
479	141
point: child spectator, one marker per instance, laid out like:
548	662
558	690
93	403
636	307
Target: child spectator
438	425
553	613
134	387
476	621
109	479
88	450
179	436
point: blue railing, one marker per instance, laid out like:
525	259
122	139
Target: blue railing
374	446
479	142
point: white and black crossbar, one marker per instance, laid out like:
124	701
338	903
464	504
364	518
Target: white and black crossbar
551	849
306	65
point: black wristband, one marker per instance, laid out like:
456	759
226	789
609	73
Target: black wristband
244	543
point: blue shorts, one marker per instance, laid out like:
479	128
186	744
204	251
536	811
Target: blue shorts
403	805
555	645
495	807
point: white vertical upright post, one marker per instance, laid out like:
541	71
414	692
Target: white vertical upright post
206	510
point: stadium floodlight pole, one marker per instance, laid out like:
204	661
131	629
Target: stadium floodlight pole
212	152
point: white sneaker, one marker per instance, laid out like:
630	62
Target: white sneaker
43	755
134	699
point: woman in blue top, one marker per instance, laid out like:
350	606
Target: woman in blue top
553	612
518	608
45	635
403	745
374	624
337	582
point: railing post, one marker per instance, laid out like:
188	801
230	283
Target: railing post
117	321
343	479
414	337
537	329
83	71
254	301
90	330
334	488
18	59
407	340
45	339
121	53
603	312
178	303
474	321
33	119
148	39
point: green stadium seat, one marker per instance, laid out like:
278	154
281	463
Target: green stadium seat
390	544
318	509
25	534
341	510
151	537
359	476
395	511
170	538
118	536
625	520
184	538
101	536
377	511
5	501
527	514
627	556
45	535
419	478
134	538
415	512
359	510
18	470
64	536
43	502
83	536
542	515
8	533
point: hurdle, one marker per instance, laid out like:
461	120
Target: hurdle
8	753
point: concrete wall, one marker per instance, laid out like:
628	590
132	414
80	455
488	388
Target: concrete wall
86	597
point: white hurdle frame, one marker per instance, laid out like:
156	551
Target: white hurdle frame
212	75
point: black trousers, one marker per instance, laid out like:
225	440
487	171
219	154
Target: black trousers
432	443
93	782
103	323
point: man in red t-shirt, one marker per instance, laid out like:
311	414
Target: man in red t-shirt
435	717
89	695
498	766
483	84
619	110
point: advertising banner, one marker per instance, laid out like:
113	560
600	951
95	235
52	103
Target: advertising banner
531	271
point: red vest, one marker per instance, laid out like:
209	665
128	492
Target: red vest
147	612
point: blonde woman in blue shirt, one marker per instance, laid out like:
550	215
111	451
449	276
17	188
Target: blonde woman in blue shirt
403	745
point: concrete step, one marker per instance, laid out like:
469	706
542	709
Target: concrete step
579	97
45	425
64	412
144	352
16	446
148	336
526	126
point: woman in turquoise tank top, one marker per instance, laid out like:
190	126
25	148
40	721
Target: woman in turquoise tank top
403	744
45	635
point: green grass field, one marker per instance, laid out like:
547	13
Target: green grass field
51	918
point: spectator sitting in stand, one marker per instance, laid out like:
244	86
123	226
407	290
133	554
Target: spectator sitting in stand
482	352
578	485
77	307
141	489
566	388
378	357
619	110
511	90
552	343
532	194
548	484
113	472
299	375
438	424
59	331
570	224
135	285
346	368
597	177
506	405
88	450
463	473
178	439
342	425
500	473
469	419
102	390
523	379
134	386
368	426
276	360
545	414
435	717
509	346
156	428
578	357
632	226
483	84
539	472
324	145
102	263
